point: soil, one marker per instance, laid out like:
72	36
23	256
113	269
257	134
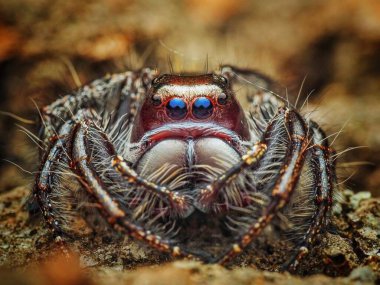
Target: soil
350	251
48	48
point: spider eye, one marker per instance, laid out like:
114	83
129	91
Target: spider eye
156	80
202	108
224	79
176	108
156	100
222	99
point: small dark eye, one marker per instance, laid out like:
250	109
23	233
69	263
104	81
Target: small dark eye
156	100
223	79
156	80
202	108
222	99
176	108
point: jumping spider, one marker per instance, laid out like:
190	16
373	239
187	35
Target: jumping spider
175	161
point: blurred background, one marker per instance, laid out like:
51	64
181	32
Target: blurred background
48	48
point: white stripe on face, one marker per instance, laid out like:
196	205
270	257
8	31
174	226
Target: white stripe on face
189	91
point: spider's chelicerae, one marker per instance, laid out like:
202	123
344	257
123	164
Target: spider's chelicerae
174	160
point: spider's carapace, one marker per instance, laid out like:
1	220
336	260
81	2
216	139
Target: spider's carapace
187	106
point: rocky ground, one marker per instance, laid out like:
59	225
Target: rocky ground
49	48
351	252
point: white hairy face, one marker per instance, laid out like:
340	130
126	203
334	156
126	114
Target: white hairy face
188	154
189	91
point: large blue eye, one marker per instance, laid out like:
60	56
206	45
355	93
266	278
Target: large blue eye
176	108
202	108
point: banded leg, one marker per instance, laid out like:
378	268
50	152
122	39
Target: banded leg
120	92
250	159
323	172
43	189
264	85
111	209
285	184
248	75
177	201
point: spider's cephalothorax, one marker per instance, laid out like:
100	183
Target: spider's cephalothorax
176	162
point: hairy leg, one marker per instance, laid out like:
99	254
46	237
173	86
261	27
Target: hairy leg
323	176
120	92
284	186
110	208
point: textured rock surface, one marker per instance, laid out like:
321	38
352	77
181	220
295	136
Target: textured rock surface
47	48
352	250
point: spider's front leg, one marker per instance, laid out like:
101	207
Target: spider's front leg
177	201
323	167
324	183
44	188
285	184
249	160
120	92
110	207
